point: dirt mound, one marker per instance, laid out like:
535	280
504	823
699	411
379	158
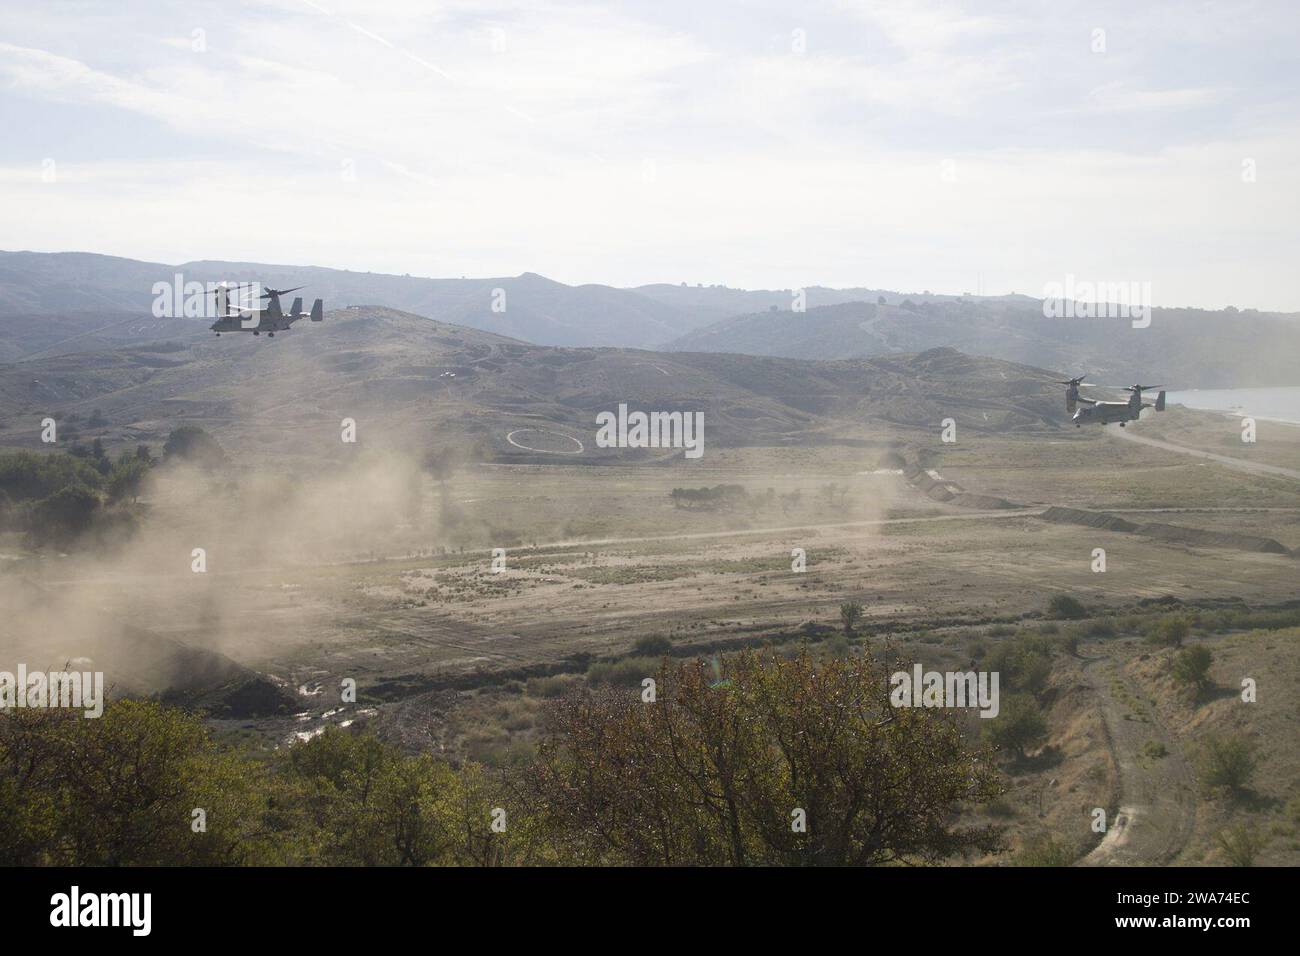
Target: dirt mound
1091	519
970	499
1212	539
942	489
247	696
937	488
1174	534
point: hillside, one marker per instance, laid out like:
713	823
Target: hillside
713	303
411	378
1180	348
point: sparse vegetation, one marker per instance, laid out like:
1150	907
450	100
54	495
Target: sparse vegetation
627	672
727	497
1241	844
1046	850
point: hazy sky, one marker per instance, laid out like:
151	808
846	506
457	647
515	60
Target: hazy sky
902	145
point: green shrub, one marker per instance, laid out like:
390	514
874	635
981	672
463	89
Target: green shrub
27	476
1191	668
1000	808
628	672
1241	844
555	686
1100	628
1024	663
850	615
837	646
192	443
126	478
1067	607
1019	725
1227	763
64	516
654	645
1045	851
1169	632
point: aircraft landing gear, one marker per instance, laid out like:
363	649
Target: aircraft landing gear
270	335
255	332
1121	424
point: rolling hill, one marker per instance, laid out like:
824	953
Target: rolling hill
1180	348
708	304
416	380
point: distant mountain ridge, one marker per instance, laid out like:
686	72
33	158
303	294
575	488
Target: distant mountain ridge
527	306
53	303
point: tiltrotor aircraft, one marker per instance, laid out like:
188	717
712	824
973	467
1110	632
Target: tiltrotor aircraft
235	316
1104	413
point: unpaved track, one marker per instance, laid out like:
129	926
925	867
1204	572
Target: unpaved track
576	543
1254	467
785	529
1157	802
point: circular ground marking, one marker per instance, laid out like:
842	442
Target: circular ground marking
545	441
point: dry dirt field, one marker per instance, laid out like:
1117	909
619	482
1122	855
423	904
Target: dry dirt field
599	573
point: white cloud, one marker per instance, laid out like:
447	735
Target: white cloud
512	137
1118	97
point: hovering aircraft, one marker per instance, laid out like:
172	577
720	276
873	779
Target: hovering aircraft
1104	413
237	317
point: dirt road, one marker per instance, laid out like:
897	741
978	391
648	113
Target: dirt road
571	543
785	529
1157	803
1253	467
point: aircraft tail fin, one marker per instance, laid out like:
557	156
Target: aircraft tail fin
318	311
297	306
1160	402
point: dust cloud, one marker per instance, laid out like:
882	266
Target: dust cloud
164	600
